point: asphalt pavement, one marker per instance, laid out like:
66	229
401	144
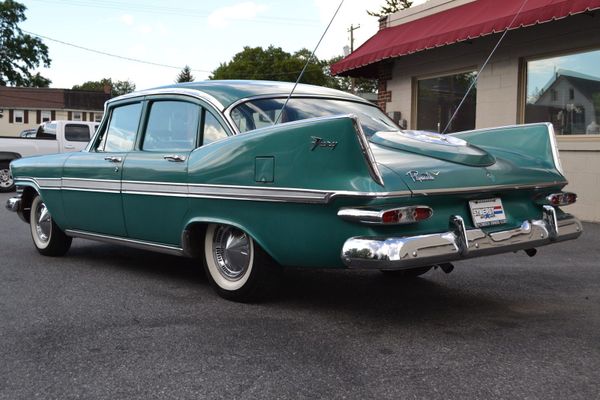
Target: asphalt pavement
109	322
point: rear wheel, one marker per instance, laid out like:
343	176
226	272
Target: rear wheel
407	273
7	184
237	267
48	238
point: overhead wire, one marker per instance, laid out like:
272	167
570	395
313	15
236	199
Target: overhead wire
474	82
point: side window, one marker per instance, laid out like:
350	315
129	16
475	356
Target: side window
77	133
46	131
213	130
122	128
172	126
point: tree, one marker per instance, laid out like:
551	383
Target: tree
274	64
117	88
390	7
185	75
19	52
361	85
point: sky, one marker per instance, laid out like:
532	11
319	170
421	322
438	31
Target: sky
175	33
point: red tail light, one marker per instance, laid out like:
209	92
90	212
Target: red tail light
392	216
561	199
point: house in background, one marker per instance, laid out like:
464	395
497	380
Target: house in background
24	108
546	69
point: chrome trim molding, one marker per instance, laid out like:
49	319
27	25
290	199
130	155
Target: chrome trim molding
367	152
554	147
238	192
138	244
375	216
491	188
416	251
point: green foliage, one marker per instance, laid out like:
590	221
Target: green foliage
390	7
117	87
277	65
19	53
273	64
361	85
185	75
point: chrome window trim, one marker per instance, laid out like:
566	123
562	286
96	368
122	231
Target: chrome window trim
367	152
139	244
227	111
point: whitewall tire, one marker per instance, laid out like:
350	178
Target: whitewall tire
47	237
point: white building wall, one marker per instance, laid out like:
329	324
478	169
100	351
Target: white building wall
498	90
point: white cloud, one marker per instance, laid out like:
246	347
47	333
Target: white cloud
223	17
126	19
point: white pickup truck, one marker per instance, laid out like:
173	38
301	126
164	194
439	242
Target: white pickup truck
51	137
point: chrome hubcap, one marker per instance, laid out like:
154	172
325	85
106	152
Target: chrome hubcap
231	251
5	179
43	222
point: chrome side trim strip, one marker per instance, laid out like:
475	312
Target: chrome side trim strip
257	193
491	188
138	244
367	152
421	250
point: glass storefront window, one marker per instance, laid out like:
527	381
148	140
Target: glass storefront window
438	98
565	90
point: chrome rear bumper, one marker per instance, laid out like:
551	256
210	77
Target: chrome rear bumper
457	244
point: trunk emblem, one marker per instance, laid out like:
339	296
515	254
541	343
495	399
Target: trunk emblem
417	176
319	142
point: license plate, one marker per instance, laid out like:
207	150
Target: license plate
487	212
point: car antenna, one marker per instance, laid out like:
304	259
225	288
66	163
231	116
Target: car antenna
474	82
306	64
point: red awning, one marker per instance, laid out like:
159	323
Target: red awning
469	21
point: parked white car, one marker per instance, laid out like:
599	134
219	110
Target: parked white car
51	137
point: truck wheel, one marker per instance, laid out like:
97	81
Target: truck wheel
48	238
238	269
7	184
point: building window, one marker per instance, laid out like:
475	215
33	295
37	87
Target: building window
19	116
46	116
97	117
565	90
438	99
77	116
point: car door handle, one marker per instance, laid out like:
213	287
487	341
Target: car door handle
69	146
114	159
174	158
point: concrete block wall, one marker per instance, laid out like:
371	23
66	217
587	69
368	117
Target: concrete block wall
498	90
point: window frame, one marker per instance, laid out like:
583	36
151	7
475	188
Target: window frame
102	130
22	116
522	88
415	89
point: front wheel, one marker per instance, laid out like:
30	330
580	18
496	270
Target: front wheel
48	238
237	267
7	184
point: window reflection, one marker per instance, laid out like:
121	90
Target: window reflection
438	98
565	91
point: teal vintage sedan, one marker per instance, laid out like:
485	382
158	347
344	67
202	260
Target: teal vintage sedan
223	172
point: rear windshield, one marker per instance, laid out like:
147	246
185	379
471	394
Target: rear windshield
262	113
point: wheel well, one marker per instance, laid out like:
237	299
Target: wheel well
26	199
193	239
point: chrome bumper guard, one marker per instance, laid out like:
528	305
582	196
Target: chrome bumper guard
457	244
14	203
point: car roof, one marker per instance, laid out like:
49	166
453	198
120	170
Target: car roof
227	92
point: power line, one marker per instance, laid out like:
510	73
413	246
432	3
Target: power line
111	54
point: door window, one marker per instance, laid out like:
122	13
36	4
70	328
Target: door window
123	126
172	126
213	130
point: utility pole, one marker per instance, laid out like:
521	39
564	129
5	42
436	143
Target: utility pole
351	30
